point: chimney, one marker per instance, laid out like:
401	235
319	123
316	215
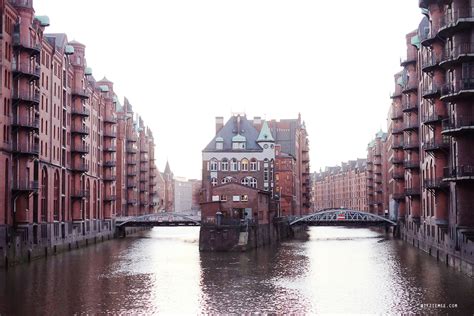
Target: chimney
257	122
219	123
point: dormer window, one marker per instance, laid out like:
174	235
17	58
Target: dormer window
219	143
239	142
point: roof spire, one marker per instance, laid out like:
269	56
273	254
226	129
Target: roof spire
265	134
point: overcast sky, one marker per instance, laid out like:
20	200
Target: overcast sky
183	62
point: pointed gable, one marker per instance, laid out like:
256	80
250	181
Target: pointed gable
265	134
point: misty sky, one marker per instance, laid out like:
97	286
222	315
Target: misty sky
183	62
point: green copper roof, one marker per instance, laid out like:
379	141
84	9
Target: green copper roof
104	88
43	19
400	81
219	139
239	138
88	71
415	41
265	134
68	50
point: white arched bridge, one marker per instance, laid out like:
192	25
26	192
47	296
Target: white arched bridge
341	217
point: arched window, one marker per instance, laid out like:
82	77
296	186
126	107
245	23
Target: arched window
234	164
214	182
253	164
244	165
213	165
56	196
44	195
245	181
225	164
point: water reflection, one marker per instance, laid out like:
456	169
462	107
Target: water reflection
336	270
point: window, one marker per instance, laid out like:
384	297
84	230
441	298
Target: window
213	165
225	165
227	180
223	197
244	198
244	165
214	182
234	164
253	164
253	182
245	181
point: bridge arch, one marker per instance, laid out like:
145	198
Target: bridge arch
342	216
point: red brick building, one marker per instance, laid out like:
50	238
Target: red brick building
432	135
58	148
377	175
341	186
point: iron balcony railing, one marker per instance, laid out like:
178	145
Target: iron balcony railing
32	48
408	107
84	130
411	125
110	197
430	62
26	96
109	177
131	161
460	123
80	148
463	171
30	123
431	184
110	148
432	118
397	144
398	175
459	50
396	161
431	91
398	196
110	163
411	145
396	114
110	134
32	71
25	185
80	112
434	144
110	119
457	87
453	17
22	148
80	167
80	93
412	191
411	164
132	149
410	87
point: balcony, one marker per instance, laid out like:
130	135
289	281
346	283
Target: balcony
110	149
397	144
432	118
110	197
80	194
396	161
81	130
431	63
411	164
111	119
26	97
407	61
398	175
144	149
411	145
132	201
411	126
396	94
434	184
144	158
131	184
455	21
80	93
461	124
110	163
409	107
143	169
458	89
412	192
80	148
397	130
132	149
26	123
80	112
132	137
436	145
25	186
80	167
459	173
396	115
143	179
431	92
143	188
25	149
132	173
410	87
110	134
131	161
460	53
31	48
26	70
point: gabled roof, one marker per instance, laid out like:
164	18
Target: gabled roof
265	134
233	128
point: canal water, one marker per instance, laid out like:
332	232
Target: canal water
337	270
